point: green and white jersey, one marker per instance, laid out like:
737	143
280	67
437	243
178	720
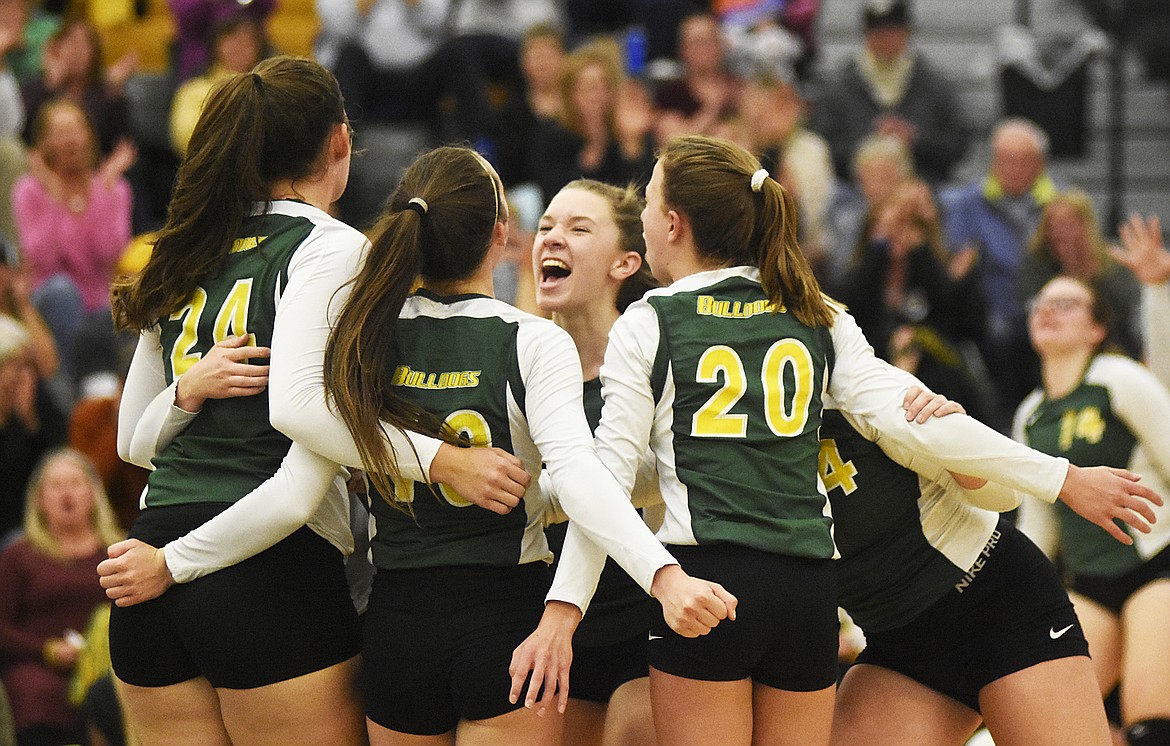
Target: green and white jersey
728	395
1119	415
905	538
511	380
230	448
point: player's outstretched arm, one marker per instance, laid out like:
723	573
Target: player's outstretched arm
1102	494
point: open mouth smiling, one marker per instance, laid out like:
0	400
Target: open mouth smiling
553	270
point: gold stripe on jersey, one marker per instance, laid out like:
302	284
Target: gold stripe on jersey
419	379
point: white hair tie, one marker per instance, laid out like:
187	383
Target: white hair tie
758	180
419	205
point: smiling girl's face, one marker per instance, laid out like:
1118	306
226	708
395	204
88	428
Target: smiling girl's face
576	253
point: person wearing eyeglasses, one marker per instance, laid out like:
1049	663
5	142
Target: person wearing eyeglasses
1095	407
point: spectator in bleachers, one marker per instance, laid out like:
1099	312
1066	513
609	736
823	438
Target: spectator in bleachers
703	99
505	19
239	44
889	88
93	430
912	300
997	216
196	22
395	63
16	303
73	70
542	60
1069	242
800	17
772	115
37	25
756	38
12	162
880	165
30	423
74	223
604	131
48	591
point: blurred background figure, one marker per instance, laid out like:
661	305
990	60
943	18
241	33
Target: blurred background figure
702	99
48	592
1069	242
997	215
74	223
880	165
12	161
197	21
539	101
772	120
915	302
889	88
602	134
238	44
396	62
73	70
31	423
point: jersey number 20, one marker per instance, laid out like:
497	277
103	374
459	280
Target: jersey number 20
715	420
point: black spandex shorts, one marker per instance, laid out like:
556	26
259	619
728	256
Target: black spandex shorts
1112	593
438	643
283	613
1013	615
598	671
785	632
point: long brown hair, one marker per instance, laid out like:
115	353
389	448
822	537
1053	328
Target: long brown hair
1082	204
605	55
710	181
443	235
256	129
626	204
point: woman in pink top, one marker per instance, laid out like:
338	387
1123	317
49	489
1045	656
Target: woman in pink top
72	219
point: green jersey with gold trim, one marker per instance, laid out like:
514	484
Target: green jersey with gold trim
1118	415
511	380
234	433
905	539
736	390
457	359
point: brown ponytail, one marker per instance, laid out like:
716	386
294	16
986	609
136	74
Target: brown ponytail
710	181
256	128
447	239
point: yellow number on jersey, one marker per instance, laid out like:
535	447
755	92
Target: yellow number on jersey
713	419
1081	424
181	356
835	471
232	318
1090	425
473	426
782	354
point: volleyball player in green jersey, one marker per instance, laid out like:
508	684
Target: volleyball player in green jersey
587	262
266	649
722	373
1098	408
457	589
964	618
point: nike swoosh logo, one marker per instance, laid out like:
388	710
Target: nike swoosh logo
655	637
1056	635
